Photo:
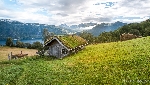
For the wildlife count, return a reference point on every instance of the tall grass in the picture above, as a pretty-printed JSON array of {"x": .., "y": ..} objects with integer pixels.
[
  {"x": 114, "y": 63},
  {"x": 4, "y": 51}
]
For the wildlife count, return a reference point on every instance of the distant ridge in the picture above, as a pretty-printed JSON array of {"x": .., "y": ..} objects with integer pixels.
[
  {"x": 105, "y": 27},
  {"x": 19, "y": 30}
]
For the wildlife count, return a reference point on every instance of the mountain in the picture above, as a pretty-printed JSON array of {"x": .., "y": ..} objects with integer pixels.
[
  {"x": 105, "y": 27},
  {"x": 19, "y": 30}
]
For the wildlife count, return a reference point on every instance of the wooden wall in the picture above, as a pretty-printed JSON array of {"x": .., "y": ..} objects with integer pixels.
[{"x": 56, "y": 49}]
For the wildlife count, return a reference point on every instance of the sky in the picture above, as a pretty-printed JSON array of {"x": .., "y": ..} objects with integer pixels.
[{"x": 71, "y": 12}]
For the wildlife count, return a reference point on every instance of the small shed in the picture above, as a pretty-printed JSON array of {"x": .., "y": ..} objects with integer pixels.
[
  {"x": 128, "y": 36},
  {"x": 61, "y": 46}
]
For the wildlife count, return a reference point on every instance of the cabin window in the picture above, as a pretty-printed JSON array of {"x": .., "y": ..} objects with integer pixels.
[{"x": 64, "y": 51}]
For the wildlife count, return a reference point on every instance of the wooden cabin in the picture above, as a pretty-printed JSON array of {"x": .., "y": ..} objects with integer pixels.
[{"x": 61, "y": 46}]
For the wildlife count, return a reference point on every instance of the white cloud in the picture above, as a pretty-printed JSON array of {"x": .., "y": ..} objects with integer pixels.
[{"x": 76, "y": 11}]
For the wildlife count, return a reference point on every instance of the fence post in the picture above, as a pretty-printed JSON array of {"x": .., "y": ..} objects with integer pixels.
[{"x": 9, "y": 57}]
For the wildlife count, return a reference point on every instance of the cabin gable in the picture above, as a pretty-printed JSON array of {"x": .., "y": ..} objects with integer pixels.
[{"x": 57, "y": 49}]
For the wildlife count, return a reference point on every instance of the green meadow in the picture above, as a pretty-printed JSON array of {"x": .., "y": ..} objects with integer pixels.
[{"x": 116, "y": 63}]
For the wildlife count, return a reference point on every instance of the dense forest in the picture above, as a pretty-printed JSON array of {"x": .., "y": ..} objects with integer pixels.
[{"x": 139, "y": 29}]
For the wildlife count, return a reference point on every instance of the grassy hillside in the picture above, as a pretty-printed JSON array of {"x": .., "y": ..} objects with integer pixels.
[
  {"x": 114, "y": 63},
  {"x": 4, "y": 51}
]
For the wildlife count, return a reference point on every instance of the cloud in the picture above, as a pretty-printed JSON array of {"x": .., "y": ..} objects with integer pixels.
[
  {"x": 107, "y": 4},
  {"x": 99, "y": 19},
  {"x": 40, "y": 3},
  {"x": 61, "y": 14},
  {"x": 75, "y": 11},
  {"x": 71, "y": 5}
]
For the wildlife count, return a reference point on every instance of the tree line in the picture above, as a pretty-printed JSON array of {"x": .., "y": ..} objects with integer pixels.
[
  {"x": 138, "y": 29},
  {"x": 19, "y": 44}
]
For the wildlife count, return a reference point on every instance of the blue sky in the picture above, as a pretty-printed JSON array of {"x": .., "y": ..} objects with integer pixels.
[{"x": 75, "y": 11}]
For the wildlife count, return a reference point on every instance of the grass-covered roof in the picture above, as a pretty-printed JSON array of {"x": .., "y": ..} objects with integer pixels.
[{"x": 70, "y": 41}]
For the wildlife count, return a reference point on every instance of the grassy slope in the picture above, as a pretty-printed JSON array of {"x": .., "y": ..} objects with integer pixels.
[
  {"x": 109, "y": 63},
  {"x": 4, "y": 51}
]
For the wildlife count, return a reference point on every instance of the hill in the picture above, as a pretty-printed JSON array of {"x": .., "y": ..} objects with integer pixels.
[{"x": 113, "y": 63}]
